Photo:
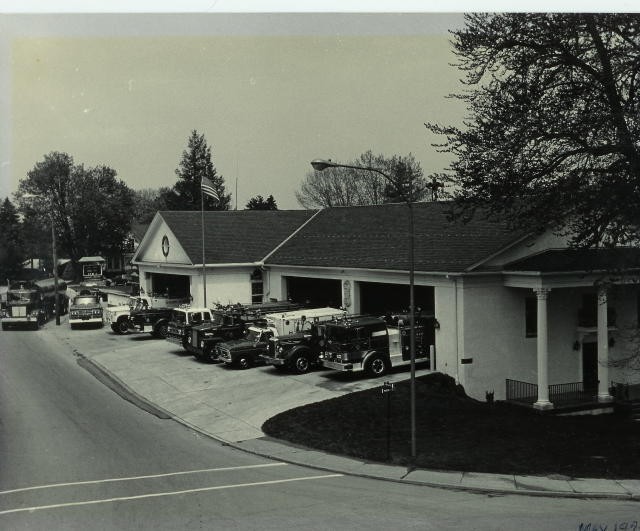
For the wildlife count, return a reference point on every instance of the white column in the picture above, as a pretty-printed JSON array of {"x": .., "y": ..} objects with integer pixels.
[
  {"x": 543, "y": 351},
  {"x": 603, "y": 347}
]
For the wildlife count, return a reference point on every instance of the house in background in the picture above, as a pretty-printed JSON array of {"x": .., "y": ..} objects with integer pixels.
[
  {"x": 518, "y": 315},
  {"x": 120, "y": 262}
]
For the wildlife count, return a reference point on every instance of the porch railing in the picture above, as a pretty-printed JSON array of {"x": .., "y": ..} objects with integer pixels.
[
  {"x": 570, "y": 392},
  {"x": 523, "y": 392},
  {"x": 527, "y": 393}
]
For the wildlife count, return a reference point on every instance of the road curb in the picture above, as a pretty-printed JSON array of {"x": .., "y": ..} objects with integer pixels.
[{"x": 102, "y": 374}]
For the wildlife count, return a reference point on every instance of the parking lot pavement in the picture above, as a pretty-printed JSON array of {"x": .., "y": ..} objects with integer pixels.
[{"x": 226, "y": 403}]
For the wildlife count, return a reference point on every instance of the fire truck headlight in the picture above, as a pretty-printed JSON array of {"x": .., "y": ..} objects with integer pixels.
[
  {"x": 280, "y": 349},
  {"x": 201, "y": 344}
]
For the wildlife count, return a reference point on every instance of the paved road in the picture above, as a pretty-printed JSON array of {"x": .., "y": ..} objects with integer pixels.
[{"x": 74, "y": 455}]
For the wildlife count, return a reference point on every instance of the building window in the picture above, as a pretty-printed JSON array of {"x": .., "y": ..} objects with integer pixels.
[
  {"x": 531, "y": 316},
  {"x": 256, "y": 287}
]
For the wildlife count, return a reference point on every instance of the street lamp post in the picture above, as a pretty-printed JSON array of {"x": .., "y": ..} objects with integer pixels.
[
  {"x": 55, "y": 257},
  {"x": 320, "y": 165}
]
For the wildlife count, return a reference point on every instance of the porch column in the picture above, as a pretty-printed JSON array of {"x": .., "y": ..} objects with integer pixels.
[
  {"x": 543, "y": 402},
  {"x": 603, "y": 347}
]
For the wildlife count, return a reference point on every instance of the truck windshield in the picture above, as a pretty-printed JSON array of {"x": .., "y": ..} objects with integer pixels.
[
  {"x": 141, "y": 304},
  {"x": 253, "y": 334},
  {"x": 22, "y": 296},
  {"x": 219, "y": 319},
  {"x": 84, "y": 300}
]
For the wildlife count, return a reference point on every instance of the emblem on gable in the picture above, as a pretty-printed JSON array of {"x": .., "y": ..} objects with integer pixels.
[{"x": 165, "y": 246}]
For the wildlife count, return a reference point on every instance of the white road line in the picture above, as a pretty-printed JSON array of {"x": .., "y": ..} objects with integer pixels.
[
  {"x": 134, "y": 478},
  {"x": 159, "y": 494}
]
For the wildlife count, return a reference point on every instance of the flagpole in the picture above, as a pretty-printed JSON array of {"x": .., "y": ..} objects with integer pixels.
[{"x": 204, "y": 269}]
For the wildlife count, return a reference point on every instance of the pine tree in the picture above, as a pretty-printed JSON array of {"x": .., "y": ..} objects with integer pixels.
[
  {"x": 195, "y": 164},
  {"x": 11, "y": 243}
]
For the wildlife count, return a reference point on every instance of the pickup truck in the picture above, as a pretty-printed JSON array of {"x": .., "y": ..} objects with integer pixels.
[
  {"x": 85, "y": 309},
  {"x": 245, "y": 352},
  {"x": 182, "y": 321}
]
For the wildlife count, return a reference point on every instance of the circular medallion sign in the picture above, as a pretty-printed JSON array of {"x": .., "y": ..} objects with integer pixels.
[{"x": 165, "y": 246}]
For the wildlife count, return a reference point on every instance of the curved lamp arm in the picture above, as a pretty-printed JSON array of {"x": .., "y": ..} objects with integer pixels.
[{"x": 321, "y": 165}]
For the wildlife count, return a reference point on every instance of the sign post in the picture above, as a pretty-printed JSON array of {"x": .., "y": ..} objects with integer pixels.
[{"x": 387, "y": 388}]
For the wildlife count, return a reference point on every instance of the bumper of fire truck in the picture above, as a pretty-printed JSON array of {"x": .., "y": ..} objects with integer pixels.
[
  {"x": 143, "y": 327},
  {"x": 273, "y": 361},
  {"x": 340, "y": 365}
]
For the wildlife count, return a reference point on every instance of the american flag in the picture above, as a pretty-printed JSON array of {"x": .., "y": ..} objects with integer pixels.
[{"x": 207, "y": 188}]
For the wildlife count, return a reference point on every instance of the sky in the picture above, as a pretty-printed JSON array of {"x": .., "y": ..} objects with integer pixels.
[{"x": 269, "y": 90}]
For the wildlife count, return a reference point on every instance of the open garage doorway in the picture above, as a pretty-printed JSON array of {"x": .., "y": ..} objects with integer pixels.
[
  {"x": 378, "y": 298},
  {"x": 315, "y": 291},
  {"x": 174, "y": 286}
]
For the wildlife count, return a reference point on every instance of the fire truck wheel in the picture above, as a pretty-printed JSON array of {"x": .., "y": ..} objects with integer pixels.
[
  {"x": 161, "y": 331},
  {"x": 301, "y": 364},
  {"x": 243, "y": 363},
  {"x": 377, "y": 365},
  {"x": 121, "y": 327}
]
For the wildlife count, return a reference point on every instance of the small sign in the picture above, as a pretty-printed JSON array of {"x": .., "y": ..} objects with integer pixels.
[
  {"x": 387, "y": 387},
  {"x": 466, "y": 361}
]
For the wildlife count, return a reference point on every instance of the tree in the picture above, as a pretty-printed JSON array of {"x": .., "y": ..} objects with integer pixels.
[
  {"x": 11, "y": 243},
  {"x": 552, "y": 136},
  {"x": 92, "y": 210},
  {"x": 148, "y": 201},
  {"x": 350, "y": 187},
  {"x": 260, "y": 203},
  {"x": 194, "y": 165}
]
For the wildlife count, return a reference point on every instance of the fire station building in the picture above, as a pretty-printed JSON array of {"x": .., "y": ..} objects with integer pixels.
[{"x": 519, "y": 315}]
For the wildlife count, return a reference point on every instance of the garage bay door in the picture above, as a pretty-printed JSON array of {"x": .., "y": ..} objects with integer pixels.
[
  {"x": 174, "y": 286},
  {"x": 315, "y": 291}
]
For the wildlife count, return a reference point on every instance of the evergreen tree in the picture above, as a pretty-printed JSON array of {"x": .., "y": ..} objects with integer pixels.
[
  {"x": 11, "y": 243},
  {"x": 195, "y": 164},
  {"x": 260, "y": 203}
]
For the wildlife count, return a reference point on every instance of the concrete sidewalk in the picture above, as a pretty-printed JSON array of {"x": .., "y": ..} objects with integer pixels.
[{"x": 223, "y": 404}]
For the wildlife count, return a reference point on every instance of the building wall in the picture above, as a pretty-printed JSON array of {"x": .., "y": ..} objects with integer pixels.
[
  {"x": 224, "y": 286},
  {"x": 493, "y": 329}
]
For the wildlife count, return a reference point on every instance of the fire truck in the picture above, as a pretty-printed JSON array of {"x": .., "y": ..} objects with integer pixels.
[
  {"x": 375, "y": 344},
  {"x": 32, "y": 303},
  {"x": 298, "y": 352},
  {"x": 229, "y": 322},
  {"x": 247, "y": 351}
]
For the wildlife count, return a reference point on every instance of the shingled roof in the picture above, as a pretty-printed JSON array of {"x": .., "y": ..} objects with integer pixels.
[
  {"x": 376, "y": 237},
  {"x": 580, "y": 260},
  {"x": 236, "y": 236}
]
